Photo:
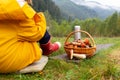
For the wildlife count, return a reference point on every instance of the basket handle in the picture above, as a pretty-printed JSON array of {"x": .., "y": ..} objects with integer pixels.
[{"x": 83, "y": 32}]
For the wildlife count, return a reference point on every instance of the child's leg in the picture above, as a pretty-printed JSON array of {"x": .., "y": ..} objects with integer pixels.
[
  {"x": 47, "y": 46},
  {"x": 45, "y": 38}
]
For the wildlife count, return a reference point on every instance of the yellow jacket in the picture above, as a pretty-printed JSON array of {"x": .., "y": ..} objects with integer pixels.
[{"x": 20, "y": 29}]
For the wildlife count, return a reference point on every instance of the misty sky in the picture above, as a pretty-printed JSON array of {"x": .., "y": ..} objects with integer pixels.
[{"x": 115, "y": 3}]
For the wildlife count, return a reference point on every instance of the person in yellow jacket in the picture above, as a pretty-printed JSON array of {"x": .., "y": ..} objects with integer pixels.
[{"x": 21, "y": 28}]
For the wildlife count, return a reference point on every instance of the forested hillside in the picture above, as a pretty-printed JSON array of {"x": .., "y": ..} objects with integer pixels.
[
  {"x": 109, "y": 27},
  {"x": 47, "y": 5}
]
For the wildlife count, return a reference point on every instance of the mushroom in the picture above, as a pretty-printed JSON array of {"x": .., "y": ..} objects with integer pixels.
[{"x": 79, "y": 56}]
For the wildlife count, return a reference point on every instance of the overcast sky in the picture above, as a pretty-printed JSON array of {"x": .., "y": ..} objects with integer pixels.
[{"x": 115, "y": 3}]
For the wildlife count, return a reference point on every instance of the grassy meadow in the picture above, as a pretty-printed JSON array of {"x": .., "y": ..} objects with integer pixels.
[{"x": 105, "y": 65}]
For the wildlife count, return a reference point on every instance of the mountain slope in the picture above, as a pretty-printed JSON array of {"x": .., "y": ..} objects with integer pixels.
[
  {"x": 70, "y": 9},
  {"x": 82, "y": 9},
  {"x": 102, "y": 10}
]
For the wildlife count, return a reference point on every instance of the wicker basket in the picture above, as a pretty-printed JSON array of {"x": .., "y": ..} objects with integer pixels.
[{"x": 78, "y": 50}]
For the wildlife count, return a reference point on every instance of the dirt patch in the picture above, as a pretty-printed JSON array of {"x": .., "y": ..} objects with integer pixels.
[{"x": 103, "y": 46}]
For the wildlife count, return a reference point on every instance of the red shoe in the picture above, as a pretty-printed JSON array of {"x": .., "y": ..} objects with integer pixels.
[{"x": 48, "y": 48}]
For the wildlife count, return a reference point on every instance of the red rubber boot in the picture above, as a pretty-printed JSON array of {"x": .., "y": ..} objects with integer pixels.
[{"x": 48, "y": 48}]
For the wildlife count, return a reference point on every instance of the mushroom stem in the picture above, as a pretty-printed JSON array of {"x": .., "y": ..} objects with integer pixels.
[
  {"x": 79, "y": 56},
  {"x": 71, "y": 53}
]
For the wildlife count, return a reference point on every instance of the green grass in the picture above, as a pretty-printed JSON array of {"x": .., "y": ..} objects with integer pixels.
[{"x": 99, "y": 67}]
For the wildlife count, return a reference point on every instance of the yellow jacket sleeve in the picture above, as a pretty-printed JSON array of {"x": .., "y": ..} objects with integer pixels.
[
  {"x": 32, "y": 29},
  {"x": 32, "y": 25}
]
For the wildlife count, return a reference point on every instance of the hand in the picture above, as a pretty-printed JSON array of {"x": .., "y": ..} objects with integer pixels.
[{"x": 29, "y": 2}]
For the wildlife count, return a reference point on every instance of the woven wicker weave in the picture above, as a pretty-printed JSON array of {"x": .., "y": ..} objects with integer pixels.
[{"x": 78, "y": 50}]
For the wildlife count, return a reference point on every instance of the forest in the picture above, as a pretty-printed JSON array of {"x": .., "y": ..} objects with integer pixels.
[{"x": 58, "y": 26}]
